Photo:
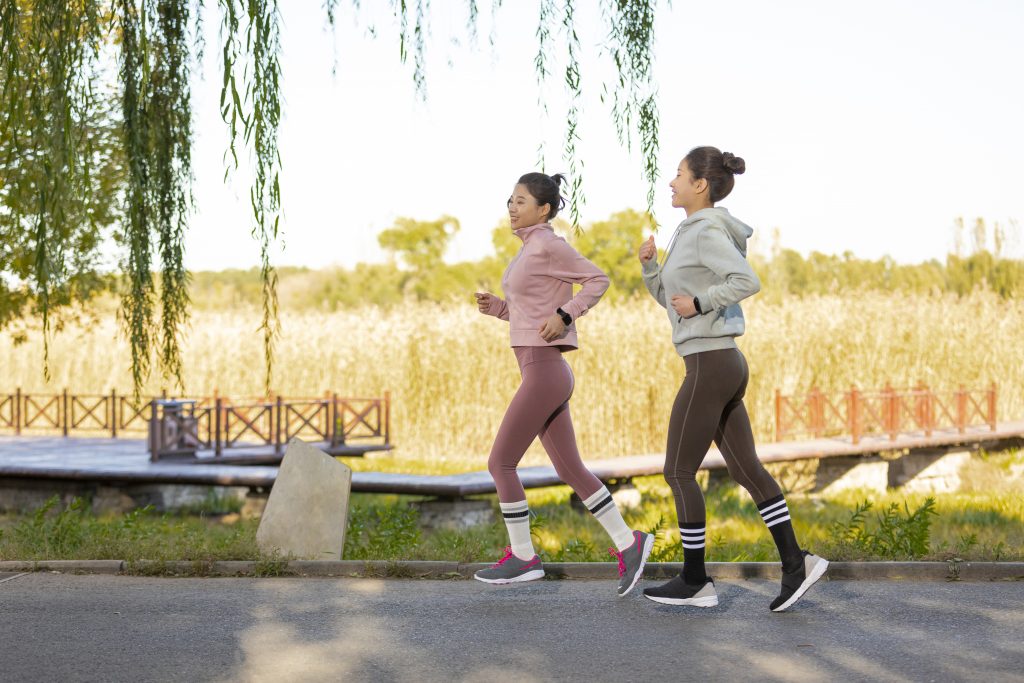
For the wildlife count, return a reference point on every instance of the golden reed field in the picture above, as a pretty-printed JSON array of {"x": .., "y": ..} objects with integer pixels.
[{"x": 451, "y": 373}]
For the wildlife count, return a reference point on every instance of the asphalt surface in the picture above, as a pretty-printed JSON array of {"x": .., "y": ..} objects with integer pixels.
[{"x": 58, "y": 627}]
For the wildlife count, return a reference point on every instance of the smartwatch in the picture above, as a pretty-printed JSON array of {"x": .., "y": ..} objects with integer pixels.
[
  {"x": 566, "y": 318},
  {"x": 696, "y": 304}
]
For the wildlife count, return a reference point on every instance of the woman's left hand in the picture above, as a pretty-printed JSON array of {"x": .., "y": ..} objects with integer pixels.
[
  {"x": 683, "y": 305},
  {"x": 553, "y": 328}
]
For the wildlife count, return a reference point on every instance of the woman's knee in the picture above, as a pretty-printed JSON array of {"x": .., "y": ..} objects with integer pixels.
[
  {"x": 679, "y": 476},
  {"x": 759, "y": 483},
  {"x": 499, "y": 467}
]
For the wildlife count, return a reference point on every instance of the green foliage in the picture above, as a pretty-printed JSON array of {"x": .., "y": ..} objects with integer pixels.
[
  {"x": 72, "y": 531},
  {"x": 381, "y": 532},
  {"x": 59, "y": 162},
  {"x": 259, "y": 111},
  {"x": 612, "y": 245},
  {"x": 896, "y": 534},
  {"x": 155, "y": 70}
]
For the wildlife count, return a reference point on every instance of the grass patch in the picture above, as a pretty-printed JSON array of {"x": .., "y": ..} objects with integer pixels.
[{"x": 977, "y": 524}]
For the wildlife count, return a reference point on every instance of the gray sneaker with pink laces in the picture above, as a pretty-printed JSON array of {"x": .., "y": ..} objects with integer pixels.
[
  {"x": 632, "y": 561},
  {"x": 511, "y": 569}
]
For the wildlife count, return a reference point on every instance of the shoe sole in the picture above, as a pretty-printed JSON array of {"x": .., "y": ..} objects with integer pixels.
[
  {"x": 706, "y": 601},
  {"x": 816, "y": 573},
  {"x": 648, "y": 547},
  {"x": 531, "y": 575}
]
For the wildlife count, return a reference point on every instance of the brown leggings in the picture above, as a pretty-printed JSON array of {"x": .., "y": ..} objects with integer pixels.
[
  {"x": 709, "y": 406},
  {"x": 539, "y": 408}
]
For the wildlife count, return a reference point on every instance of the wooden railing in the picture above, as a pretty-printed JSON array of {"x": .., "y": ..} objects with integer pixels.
[
  {"x": 220, "y": 422},
  {"x": 857, "y": 413}
]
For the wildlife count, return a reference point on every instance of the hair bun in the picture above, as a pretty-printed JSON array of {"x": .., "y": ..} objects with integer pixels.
[
  {"x": 558, "y": 178},
  {"x": 733, "y": 163}
]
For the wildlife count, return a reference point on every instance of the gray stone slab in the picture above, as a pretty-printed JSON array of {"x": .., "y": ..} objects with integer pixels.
[{"x": 307, "y": 510}]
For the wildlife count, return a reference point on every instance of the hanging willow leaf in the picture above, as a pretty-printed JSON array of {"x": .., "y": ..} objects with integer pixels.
[
  {"x": 631, "y": 39},
  {"x": 572, "y": 84},
  {"x": 48, "y": 61},
  {"x": 137, "y": 301},
  {"x": 260, "y": 117},
  {"x": 170, "y": 112}
]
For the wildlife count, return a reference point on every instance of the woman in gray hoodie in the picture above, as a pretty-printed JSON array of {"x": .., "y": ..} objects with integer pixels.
[{"x": 700, "y": 282}]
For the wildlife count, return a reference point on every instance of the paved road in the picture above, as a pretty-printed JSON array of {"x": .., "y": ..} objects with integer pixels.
[{"x": 112, "y": 628}]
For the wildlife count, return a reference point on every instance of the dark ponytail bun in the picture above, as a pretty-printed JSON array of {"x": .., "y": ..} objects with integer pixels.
[{"x": 733, "y": 163}]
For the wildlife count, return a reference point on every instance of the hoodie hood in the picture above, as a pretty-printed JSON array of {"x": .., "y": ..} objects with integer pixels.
[{"x": 737, "y": 230}]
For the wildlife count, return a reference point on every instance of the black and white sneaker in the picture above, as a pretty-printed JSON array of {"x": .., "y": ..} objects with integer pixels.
[
  {"x": 678, "y": 592},
  {"x": 795, "y": 584}
]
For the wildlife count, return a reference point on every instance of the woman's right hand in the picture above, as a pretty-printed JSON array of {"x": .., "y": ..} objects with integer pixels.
[
  {"x": 484, "y": 300},
  {"x": 648, "y": 250}
]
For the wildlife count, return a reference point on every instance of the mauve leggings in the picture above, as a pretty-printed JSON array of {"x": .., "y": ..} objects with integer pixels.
[
  {"x": 709, "y": 407},
  {"x": 539, "y": 408}
]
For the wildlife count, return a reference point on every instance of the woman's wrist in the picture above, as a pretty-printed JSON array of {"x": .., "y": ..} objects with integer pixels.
[{"x": 566, "y": 318}]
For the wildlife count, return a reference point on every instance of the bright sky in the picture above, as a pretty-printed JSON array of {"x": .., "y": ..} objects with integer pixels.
[{"x": 865, "y": 126}]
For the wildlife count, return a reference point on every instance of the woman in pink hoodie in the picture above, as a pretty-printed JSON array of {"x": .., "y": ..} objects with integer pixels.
[{"x": 542, "y": 312}]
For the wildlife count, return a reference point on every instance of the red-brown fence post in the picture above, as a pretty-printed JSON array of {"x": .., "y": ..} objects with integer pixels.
[
  {"x": 855, "y": 422},
  {"x": 892, "y": 411},
  {"x": 218, "y": 405},
  {"x": 387, "y": 417},
  {"x": 334, "y": 419},
  {"x": 817, "y": 413},
  {"x": 17, "y": 411},
  {"x": 67, "y": 416},
  {"x": 113, "y": 413},
  {"x": 778, "y": 415},
  {"x": 992, "y": 406},
  {"x": 152, "y": 431},
  {"x": 277, "y": 429},
  {"x": 961, "y": 409},
  {"x": 927, "y": 418}
]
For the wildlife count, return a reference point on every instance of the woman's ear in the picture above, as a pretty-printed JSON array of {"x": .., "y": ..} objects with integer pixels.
[
  {"x": 700, "y": 186},
  {"x": 545, "y": 210}
]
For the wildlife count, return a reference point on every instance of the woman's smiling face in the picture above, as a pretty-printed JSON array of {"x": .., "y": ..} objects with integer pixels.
[
  {"x": 684, "y": 188},
  {"x": 523, "y": 210}
]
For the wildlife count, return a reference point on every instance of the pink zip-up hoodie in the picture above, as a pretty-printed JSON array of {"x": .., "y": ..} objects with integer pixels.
[{"x": 539, "y": 280}]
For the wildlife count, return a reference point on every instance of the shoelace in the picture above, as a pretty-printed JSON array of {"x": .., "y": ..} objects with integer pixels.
[
  {"x": 622, "y": 565},
  {"x": 508, "y": 554}
]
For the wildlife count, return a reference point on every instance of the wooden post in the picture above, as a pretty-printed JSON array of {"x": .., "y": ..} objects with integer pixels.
[
  {"x": 113, "y": 413},
  {"x": 217, "y": 412},
  {"x": 855, "y": 425},
  {"x": 992, "y": 406},
  {"x": 17, "y": 411},
  {"x": 334, "y": 419},
  {"x": 961, "y": 410},
  {"x": 152, "y": 431},
  {"x": 892, "y": 411},
  {"x": 778, "y": 415},
  {"x": 927, "y": 419},
  {"x": 277, "y": 427},
  {"x": 387, "y": 417},
  {"x": 67, "y": 416},
  {"x": 817, "y": 412}
]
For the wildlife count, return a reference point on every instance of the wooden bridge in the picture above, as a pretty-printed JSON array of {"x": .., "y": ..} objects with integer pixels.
[
  {"x": 233, "y": 430},
  {"x": 931, "y": 426}
]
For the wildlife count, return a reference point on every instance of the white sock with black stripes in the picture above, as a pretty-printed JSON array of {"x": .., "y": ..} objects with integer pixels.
[
  {"x": 775, "y": 513},
  {"x": 603, "y": 507},
  {"x": 517, "y": 520}
]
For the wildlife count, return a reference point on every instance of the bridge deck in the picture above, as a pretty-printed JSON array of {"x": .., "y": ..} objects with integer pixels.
[{"x": 125, "y": 461}]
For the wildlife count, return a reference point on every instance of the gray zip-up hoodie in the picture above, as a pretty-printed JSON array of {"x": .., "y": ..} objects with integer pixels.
[{"x": 706, "y": 259}]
